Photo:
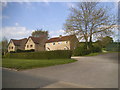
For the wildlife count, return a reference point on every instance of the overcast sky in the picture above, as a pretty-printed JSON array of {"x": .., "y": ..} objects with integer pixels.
[{"x": 19, "y": 19}]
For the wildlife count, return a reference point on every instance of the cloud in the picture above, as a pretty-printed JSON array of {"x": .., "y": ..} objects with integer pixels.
[
  {"x": 16, "y": 24},
  {"x": 56, "y": 33},
  {"x": 46, "y": 2},
  {"x": 16, "y": 32},
  {"x": 4, "y": 4},
  {"x": 70, "y": 4},
  {"x": 3, "y": 17}
]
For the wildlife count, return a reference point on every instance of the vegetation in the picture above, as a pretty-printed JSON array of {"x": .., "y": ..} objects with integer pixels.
[
  {"x": 58, "y": 54},
  {"x": 88, "y": 20},
  {"x": 115, "y": 46},
  {"x": 4, "y": 45},
  {"x": 19, "y": 50},
  {"x": 21, "y": 64},
  {"x": 104, "y": 41},
  {"x": 81, "y": 50},
  {"x": 100, "y": 53},
  {"x": 40, "y": 32}
]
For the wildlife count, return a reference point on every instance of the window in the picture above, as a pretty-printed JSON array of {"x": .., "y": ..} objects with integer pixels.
[
  {"x": 59, "y": 42},
  {"x": 27, "y": 46},
  {"x": 66, "y": 41},
  {"x": 31, "y": 45},
  {"x": 66, "y": 48},
  {"x": 12, "y": 47},
  {"x": 53, "y": 43},
  {"x": 48, "y": 48}
]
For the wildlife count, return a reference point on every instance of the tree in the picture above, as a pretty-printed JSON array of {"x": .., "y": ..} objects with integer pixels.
[
  {"x": 105, "y": 41},
  {"x": 4, "y": 45},
  {"x": 88, "y": 20},
  {"x": 40, "y": 32}
]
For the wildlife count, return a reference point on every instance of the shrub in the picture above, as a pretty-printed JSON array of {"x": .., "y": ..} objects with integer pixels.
[
  {"x": 113, "y": 47},
  {"x": 95, "y": 48},
  {"x": 81, "y": 51},
  {"x": 19, "y": 50},
  {"x": 12, "y": 51},
  {"x": 58, "y": 54}
]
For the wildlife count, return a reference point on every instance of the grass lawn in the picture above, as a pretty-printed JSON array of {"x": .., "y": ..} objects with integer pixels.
[{"x": 21, "y": 64}]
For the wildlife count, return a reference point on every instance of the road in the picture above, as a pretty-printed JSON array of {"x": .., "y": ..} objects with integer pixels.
[{"x": 88, "y": 72}]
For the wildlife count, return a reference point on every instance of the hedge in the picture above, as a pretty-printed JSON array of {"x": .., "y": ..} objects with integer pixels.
[
  {"x": 58, "y": 54},
  {"x": 19, "y": 50},
  {"x": 95, "y": 48},
  {"x": 115, "y": 46},
  {"x": 81, "y": 50}
]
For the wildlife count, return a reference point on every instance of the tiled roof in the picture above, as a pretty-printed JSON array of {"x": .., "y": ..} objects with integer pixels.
[
  {"x": 62, "y": 38},
  {"x": 19, "y": 42},
  {"x": 37, "y": 40}
]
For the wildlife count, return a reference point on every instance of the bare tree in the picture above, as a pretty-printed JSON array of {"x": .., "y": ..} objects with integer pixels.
[{"x": 88, "y": 20}]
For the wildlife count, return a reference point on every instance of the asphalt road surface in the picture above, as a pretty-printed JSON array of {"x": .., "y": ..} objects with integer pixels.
[{"x": 88, "y": 72}]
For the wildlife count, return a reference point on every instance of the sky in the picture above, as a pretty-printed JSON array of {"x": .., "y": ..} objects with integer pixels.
[{"x": 20, "y": 19}]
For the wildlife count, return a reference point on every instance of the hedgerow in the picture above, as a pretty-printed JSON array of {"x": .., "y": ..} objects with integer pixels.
[{"x": 57, "y": 54}]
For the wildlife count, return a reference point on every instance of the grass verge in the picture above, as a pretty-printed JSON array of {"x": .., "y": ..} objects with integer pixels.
[
  {"x": 99, "y": 53},
  {"x": 21, "y": 64}
]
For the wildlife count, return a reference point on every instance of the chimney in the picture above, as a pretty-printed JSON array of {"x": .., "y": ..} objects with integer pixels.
[{"x": 60, "y": 36}]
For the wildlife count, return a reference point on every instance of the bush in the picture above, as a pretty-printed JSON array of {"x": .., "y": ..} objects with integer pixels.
[
  {"x": 95, "y": 48},
  {"x": 113, "y": 47},
  {"x": 81, "y": 51},
  {"x": 12, "y": 51},
  {"x": 19, "y": 50},
  {"x": 58, "y": 54}
]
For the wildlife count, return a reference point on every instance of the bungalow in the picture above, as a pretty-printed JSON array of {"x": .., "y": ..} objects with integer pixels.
[
  {"x": 36, "y": 43},
  {"x": 62, "y": 43},
  {"x": 16, "y": 44}
]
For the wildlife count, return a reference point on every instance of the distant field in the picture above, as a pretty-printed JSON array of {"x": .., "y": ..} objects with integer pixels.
[{"x": 21, "y": 64}]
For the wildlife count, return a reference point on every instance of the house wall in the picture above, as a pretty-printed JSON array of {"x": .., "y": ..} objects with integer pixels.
[
  {"x": 30, "y": 44},
  {"x": 73, "y": 43},
  {"x": 39, "y": 47},
  {"x": 11, "y": 47},
  {"x": 62, "y": 45},
  {"x": 22, "y": 46}
]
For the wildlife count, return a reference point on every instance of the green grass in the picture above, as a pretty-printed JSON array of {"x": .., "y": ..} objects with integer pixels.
[
  {"x": 99, "y": 53},
  {"x": 93, "y": 54},
  {"x": 21, "y": 64}
]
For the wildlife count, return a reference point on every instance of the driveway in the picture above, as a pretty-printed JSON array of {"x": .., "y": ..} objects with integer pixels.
[{"x": 88, "y": 72}]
